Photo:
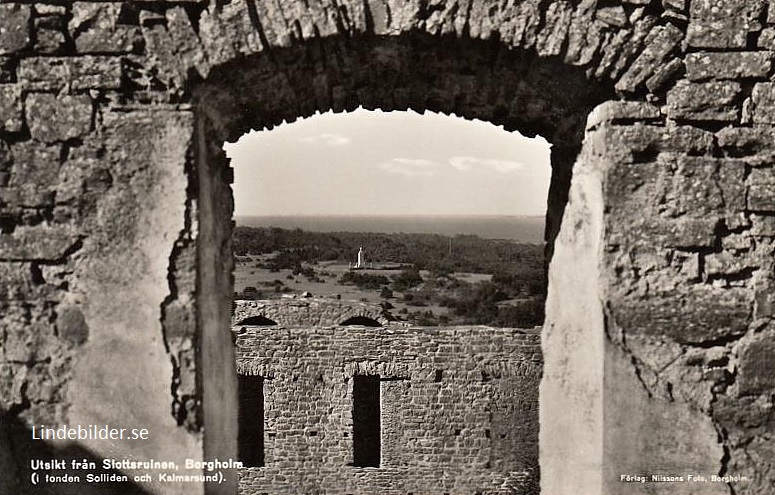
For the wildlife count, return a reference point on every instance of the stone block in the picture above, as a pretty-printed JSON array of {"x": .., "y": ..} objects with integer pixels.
[
  {"x": 51, "y": 118},
  {"x": 665, "y": 74},
  {"x": 715, "y": 100},
  {"x": 688, "y": 186},
  {"x": 11, "y": 113},
  {"x": 766, "y": 39},
  {"x": 14, "y": 27},
  {"x": 233, "y": 22},
  {"x": 50, "y": 33},
  {"x": 761, "y": 197},
  {"x": 613, "y": 16},
  {"x": 761, "y": 190},
  {"x": 71, "y": 325},
  {"x": 618, "y": 111},
  {"x": 95, "y": 28},
  {"x": 763, "y": 176},
  {"x": 15, "y": 281},
  {"x": 40, "y": 243},
  {"x": 763, "y": 103},
  {"x": 12, "y": 382},
  {"x": 86, "y": 72},
  {"x": 677, "y": 198},
  {"x": 35, "y": 164},
  {"x": 764, "y": 299},
  {"x": 640, "y": 142},
  {"x": 175, "y": 49},
  {"x": 731, "y": 181},
  {"x": 658, "y": 44},
  {"x": 722, "y": 23},
  {"x": 584, "y": 37},
  {"x": 762, "y": 225},
  {"x": 727, "y": 264},
  {"x": 758, "y": 139},
  {"x": 28, "y": 337},
  {"x": 676, "y": 5},
  {"x": 26, "y": 196},
  {"x": 756, "y": 368},
  {"x": 683, "y": 233},
  {"x": 737, "y": 242},
  {"x": 550, "y": 40},
  {"x": 732, "y": 65},
  {"x": 694, "y": 315}
]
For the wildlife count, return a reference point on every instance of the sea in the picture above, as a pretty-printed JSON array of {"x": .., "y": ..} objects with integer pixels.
[{"x": 525, "y": 229}]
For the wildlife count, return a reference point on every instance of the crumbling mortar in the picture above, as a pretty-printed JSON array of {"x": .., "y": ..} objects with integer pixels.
[
  {"x": 752, "y": 37},
  {"x": 178, "y": 407},
  {"x": 255, "y": 21},
  {"x": 194, "y": 14},
  {"x": 621, "y": 343},
  {"x": 184, "y": 408},
  {"x": 467, "y": 19}
]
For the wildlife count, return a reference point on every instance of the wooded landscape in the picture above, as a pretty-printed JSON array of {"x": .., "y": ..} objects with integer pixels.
[{"x": 422, "y": 277}]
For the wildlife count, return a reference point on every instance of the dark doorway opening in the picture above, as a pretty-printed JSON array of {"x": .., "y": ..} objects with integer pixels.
[
  {"x": 366, "y": 421},
  {"x": 251, "y": 420}
]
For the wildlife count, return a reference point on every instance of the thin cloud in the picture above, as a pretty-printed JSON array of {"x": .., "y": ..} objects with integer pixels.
[
  {"x": 410, "y": 167},
  {"x": 466, "y": 163},
  {"x": 327, "y": 139}
]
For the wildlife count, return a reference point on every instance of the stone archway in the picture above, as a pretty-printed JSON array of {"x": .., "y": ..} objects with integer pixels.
[{"x": 114, "y": 196}]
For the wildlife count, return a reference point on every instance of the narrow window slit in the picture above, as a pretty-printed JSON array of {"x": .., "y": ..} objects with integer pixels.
[
  {"x": 250, "y": 420},
  {"x": 366, "y": 421}
]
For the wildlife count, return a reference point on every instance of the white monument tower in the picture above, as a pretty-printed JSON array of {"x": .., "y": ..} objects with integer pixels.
[{"x": 361, "y": 259}]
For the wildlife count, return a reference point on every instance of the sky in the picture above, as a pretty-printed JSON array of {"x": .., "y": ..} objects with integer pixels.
[{"x": 389, "y": 163}]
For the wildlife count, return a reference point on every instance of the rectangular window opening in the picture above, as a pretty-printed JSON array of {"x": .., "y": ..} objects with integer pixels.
[
  {"x": 251, "y": 420},
  {"x": 366, "y": 421}
]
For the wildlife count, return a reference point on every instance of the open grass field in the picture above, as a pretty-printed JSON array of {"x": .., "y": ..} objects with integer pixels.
[{"x": 247, "y": 273}]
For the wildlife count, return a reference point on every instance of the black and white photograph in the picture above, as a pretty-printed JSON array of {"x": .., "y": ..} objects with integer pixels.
[{"x": 387, "y": 247}]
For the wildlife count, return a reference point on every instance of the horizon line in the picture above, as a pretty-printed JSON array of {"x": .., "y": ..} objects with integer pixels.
[{"x": 292, "y": 215}]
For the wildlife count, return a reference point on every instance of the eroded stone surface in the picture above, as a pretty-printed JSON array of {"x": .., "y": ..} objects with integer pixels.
[
  {"x": 722, "y": 23},
  {"x": 713, "y": 101},
  {"x": 11, "y": 108},
  {"x": 716, "y": 65},
  {"x": 14, "y": 27},
  {"x": 53, "y": 118}
]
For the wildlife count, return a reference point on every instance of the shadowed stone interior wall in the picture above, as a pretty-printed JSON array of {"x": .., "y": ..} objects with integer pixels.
[
  {"x": 459, "y": 409},
  {"x": 115, "y": 205}
]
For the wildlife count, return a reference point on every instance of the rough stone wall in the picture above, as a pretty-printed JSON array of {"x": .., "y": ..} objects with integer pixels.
[
  {"x": 306, "y": 312},
  {"x": 459, "y": 409},
  {"x": 97, "y": 249},
  {"x": 113, "y": 184},
  {"x": 671, "y": 208}
]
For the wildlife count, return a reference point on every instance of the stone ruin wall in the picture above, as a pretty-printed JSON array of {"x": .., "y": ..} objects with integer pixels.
[
  {"x": 307, "y": 311},
  {"x": 459, "y": 409},
  {"x": 114, "y": 194}
]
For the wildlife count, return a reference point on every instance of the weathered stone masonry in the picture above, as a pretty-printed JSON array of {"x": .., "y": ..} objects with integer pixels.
[
  {"x": 114, "y": 208},
  {"x": 314, "y": 312},
  {"x": 459, "y": 408}
]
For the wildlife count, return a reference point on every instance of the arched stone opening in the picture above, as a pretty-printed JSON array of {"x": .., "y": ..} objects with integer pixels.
[
  {"x": 258, "y": 321},
  {"x": 363, "y": 321},
  {"x": 474, "y": 79}
]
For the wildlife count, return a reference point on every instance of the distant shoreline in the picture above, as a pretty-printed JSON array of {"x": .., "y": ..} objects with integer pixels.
[{"x": 521, "y": 228}]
